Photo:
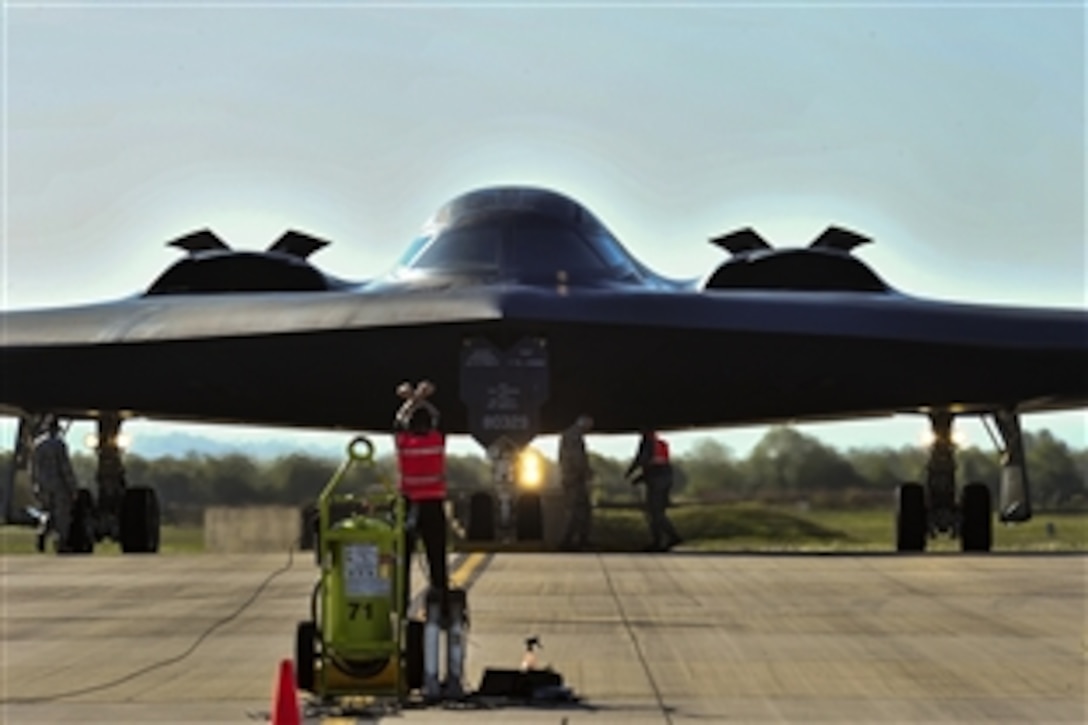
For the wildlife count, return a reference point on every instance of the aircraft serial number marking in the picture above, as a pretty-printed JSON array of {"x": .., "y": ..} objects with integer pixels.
[{"x": 506, "y": 422}]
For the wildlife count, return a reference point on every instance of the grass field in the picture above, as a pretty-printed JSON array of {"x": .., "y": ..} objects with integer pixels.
[
  {"x": 755, "y": 527},
  {"x": 722, "y": 527},
  {"x": 174, "y": 540}
]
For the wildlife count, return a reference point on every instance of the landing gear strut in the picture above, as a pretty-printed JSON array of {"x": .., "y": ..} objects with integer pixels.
[
  {"x": 30, "y": 426},
  {"x": 127, "y": 514},
  {"x": 110, "y": 477},
  {"x": 504, "y": 456},
  {"x": 511, "y": 514}
]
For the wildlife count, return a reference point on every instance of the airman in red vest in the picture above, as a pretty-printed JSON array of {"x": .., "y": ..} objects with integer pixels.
[
  {"x": 421, "y": 463},
  {"x": 655, "y": 470}
]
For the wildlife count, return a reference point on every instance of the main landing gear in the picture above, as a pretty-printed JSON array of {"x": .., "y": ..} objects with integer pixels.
[
  {"x": 936, "y": 507},
  {"x": 126, "y": 514}
]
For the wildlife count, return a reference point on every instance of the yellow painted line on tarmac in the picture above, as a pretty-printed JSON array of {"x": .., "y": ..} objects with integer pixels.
[{"x": 468, "y": 567}]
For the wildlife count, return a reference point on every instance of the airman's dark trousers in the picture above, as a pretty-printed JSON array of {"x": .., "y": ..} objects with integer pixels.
[
  {"x": 59, "y": 506},
  {"x": 579, "y": 515},
  {"x": 430, "y": 526},
  {"x": 662, "y": 532}
]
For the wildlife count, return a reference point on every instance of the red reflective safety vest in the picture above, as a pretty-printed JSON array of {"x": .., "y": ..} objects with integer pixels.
[
  {"x": 421, "y": 458},
  {"x": 661, "y": 452}
]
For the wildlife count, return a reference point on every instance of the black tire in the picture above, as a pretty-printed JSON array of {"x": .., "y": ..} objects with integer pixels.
[
  {"x": 305, "y": 655},
  {"x": 530, "y": 518},
  {"x": 976, "y": 532},
  {"x": 80, "y": 535},
  {"x": 481, "y": 517},
  {"x": 910, "y": 518},
  {"x": 140, "y": 521}
]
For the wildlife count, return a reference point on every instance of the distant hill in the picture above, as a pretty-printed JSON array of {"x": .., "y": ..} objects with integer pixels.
[
  {"x": 179, "y": 444},
  {"x": 265, "y": 445}
]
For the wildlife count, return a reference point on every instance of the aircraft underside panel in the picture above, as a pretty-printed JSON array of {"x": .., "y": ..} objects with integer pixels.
[
  {"x": 666, "y": 377},
  {"x": 503, "y": 389}
]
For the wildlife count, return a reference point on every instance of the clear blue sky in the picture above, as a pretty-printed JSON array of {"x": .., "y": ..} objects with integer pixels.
[{"x": 954, "y": 133}]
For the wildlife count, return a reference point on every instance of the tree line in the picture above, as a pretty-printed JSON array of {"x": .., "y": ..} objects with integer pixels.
[{"x": 784, "y": 466}]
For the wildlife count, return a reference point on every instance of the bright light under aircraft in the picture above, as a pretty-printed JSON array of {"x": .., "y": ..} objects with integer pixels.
[
  {"x": 123, "y": 440},
  {"x": 530, "y": 473},
  {"x": 927, "y": 438}
]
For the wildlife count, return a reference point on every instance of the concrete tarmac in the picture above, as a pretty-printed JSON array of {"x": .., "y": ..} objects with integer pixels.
[{"x": 678, "y": 638}]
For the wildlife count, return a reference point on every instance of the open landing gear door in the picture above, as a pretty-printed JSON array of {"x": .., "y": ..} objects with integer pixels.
[
  {"x": 1015, "y": 499},
  {"x": 30, "y": 427}
]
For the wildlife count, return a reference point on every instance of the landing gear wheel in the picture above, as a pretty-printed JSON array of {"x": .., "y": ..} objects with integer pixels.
[
  {"x": 976, "y": 532},
  {"x": 481, "y": 517},
  {"x": 910, "y": 518},
  {"x": 529, "y": 518},
  {"x": 140, "y": 521},
  {"x": 80, "y": 538},
  {"x": 305, "y": 646}
]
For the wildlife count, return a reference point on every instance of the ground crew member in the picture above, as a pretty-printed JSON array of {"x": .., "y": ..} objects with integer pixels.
[
  {"x": 655, "y": 470},
  {"x": 574, "y": 475},
  {"x": 421, "y": 461},
  {"x": 54, "y": 484}
]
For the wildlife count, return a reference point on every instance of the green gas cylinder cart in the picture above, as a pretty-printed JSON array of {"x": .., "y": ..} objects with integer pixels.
[{"x": 353, "y": 643}]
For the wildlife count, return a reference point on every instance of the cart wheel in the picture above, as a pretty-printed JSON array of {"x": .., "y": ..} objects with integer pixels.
[{"x": 305, "y": 644}]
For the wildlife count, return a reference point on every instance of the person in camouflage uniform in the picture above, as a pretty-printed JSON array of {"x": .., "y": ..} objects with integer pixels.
[{"x": 54, "y": 483}]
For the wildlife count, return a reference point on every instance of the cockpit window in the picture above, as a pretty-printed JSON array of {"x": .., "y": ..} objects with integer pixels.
[
  {"x": 614, "y": 255},
  {"x": 523, "y": 234},
  {"x": 545, "y": 249},
  {"x": 463, "y": 249},
  {"x": 413, "y": 249}
]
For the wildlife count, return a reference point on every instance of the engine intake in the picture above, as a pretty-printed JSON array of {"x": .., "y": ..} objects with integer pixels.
[
  {"x": 213, "y": 267},
  {"x": 825, "y": 265}
]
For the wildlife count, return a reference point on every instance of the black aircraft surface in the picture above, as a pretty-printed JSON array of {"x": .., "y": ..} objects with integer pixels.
[{"x": 526, "y": 312}]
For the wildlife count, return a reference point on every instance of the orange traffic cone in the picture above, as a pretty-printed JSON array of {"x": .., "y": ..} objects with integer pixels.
[{"x": 285, "y": 709}]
